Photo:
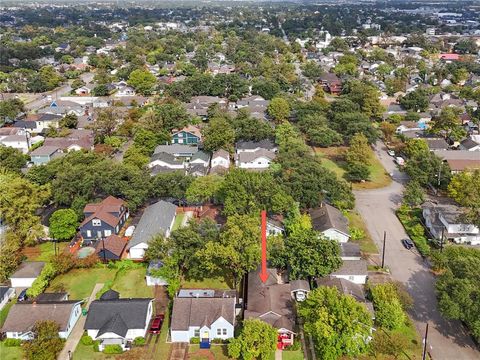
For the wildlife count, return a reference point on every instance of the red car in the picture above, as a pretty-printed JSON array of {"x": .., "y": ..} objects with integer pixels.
[{"x": 156, "y": 325}]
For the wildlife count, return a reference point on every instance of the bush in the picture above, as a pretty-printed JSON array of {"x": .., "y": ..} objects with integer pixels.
[
  {"x": 86, "y": 340},
  {"x": 96, "y": 346},
  {"x": 12, "y": 342},
  {"x": 218, "y": 341},
  {"x": 357, "y": 172},
  {"x": 294, "y": 347},
  {"x": 195, "y": 340},
  {"x": 388, "y": 308},
  {"x": 411, "y": 222},
  {"x": 139, "y": 341},
  {"x": 112, "y": 349},
  {"x": 357, "y": 234},
  {"x": 88, "y": 262}
]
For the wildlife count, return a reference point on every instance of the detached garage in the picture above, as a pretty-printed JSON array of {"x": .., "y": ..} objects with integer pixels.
[{"x": 26, "y": 274}]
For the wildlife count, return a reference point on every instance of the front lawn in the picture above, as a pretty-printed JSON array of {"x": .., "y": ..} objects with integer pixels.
[
  {"x": 10, "y": 353},
  {"x": 218, "y": 351},
  {"x": 5, "y": 310},
  {"x": 366, "y": 243},
  {"x": 79, "y": 283},
  {"x": 44, "y": 251},
  {"x": 332, "y": 159},
  {"x": 85, "y": 352},
  {"x": 292, "y": 355}
]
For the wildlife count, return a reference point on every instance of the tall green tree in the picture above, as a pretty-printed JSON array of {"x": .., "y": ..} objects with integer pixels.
[
  {"x": 339, "y": 325},
  {"x": 279, "y": 109},
  {"x": 46, "y": 343},
  {"x": 11, "y": 159},
  {"x": 63, "y": 224},
  {"x": 257, "y": 340},
  {"x": 218, "y": 134},
  {"x": 142, "y": 81},
  {"x": 388, "y": 308}
]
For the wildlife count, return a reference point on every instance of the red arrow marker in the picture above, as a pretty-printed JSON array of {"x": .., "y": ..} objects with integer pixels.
[{"x": 263, "y": 273}]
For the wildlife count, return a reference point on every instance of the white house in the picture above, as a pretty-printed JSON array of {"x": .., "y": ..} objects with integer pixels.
[
  {"x": 23, "y": 316},
  {"x": 115, "y": 321},
  {"x": 445, "y": 220},
  {"x": 157, "y": 219},
  {"x": 330, "y": 222},
  {"x": 165, "y": 160},
  {"x": 275, "y": 226},
  {"x": 6, "y": 293},
  {"x": 220, "y": 161},
  {"x": 125, "y": 90},
  {"x": 353, "y": 270},
  {"x": 259, "y": 160},
  {"x": 204, "y": 314},
  {"x": 26, "y": 274},
  {"x": 471, "y": 144}
]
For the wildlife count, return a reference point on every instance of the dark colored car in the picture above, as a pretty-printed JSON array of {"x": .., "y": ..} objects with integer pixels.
[
  {"x": 408, "y": 244},
  {"x": 156, "y": 325},
  {"x": 23, "y": 296}
]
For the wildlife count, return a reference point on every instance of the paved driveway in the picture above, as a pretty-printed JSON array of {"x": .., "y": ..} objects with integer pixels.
[{"x": 447, "y": 340}]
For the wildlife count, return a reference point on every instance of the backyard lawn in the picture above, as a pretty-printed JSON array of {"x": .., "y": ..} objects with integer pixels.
[
  {"x": 130, "y": 283},
  {"x": 218, "y": 282},
  {"x": 366, "y": 244},
  {"x": 43, "y": 251},
  {"x": 178, "y": 221},
  {"x": 79, "y": 283},
  {"x": 332, "y": 159},
  {"x": 10, "y": 353}
]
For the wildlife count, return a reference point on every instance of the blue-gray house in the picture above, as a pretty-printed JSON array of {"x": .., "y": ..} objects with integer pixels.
[
  {"x": 103, "y": 219},
  {"x": 189, "y": 135}
]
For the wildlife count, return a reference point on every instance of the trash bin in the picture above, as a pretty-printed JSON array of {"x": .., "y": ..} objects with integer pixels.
[{"x": 84, "y": 312}]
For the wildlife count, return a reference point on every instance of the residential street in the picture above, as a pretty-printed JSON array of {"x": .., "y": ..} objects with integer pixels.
[{"x": 447, "y": 340}]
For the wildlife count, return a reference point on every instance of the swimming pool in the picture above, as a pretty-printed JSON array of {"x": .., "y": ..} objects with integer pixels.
[{"x": 85, "y": 251}]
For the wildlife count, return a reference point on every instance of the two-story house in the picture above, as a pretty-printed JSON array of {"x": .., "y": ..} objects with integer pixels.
[
  {"x": 103, "y": 219},
  {"x": 255, "y": 155},
  {"x": 189, "y": 135},
  {"x": 203, "y": 313}
]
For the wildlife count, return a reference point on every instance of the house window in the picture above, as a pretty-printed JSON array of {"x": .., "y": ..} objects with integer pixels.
[
  {"x": 196, "y": 333},
  {"x": 96, "y": 222},
  {"x": 108, "y": 232},
  {"x": 219, "y": 331},
  {"x": 351, "y": 278},
  {"x": 89, "y": 233},
  {"x": 224, "y": 331}
]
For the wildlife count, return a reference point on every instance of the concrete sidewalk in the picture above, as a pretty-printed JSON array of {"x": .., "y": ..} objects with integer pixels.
[{"x": 77, "y": 331}]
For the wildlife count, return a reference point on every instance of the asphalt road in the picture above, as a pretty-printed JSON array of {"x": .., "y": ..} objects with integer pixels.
[
  {"x": 42, "y": 99},
  {"x": 447, "y": 340}
]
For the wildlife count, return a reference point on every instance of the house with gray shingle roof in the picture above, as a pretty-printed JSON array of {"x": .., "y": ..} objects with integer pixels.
[
  {"x": 157, "y": 219},
  {"x": 115, "y": 321},
  {"x": 330, "y": 222},
  {"x": 202, "y": 315}
]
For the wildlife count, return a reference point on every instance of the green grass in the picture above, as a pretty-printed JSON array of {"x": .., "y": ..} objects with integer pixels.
[
  {"x": 85, "y": 352},
  {"x": 10, "y": 353},
  {"x": 178, "y": 221},
  {"x": 332, "y": 159},
  {"x": 366, "y": 243},
  {"x": 163, "y": 348},
  {"x": 292, "y": 355},
  {"x": 219, "y": 351},
  {"x": 131, "y": 283},
  {"x": 210, "y": 283},
  {"x": 79, "y": 283},
  {"x": 5, "y": 310},
  {"x": 43, "y": 251}
]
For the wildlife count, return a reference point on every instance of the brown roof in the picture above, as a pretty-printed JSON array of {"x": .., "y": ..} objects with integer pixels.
[
  {"x": 113, "y": 243},
  {"x": 17, "y": 321},
  {"x": 82, "y": 138},
  {"x": 461, "y": 165},
  {"x": 192, "y": 311},
  {"x": 104, "y": 211},
  {"x": 191, "y": 129},
  {"x": 344, "y": 287},
  {"x": 270, "y": 301},
  {"x": 28, "y": 269},
  {"x": 327, "y": 217}
]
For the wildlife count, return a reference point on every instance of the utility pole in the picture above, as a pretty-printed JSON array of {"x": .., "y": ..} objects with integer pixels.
[
  {"x": 383, "y": 251},
  {"x": 439, "y": 174},
  {"x": 424, "y": 356},
  {"x": 104, "y": 255}
]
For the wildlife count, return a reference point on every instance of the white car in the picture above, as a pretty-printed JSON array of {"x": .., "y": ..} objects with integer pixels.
[{"x": 391, "y": 152}]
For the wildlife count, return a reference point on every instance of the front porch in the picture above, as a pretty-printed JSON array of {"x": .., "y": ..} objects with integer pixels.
[
  {"x": 284, "y": 339},
  {"x": 125, "y": 344}
]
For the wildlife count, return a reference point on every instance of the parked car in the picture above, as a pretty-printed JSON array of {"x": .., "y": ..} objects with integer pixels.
[
  {"x": 407, "y": 243},
  {"x": 400, "y": 161},
  {"x": 156, "y": 325},
  {"x": 391, "y": 152},
  {"x": 23, "y": 295}
]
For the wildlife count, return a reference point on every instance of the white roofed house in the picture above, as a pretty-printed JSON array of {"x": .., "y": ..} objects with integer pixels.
[
  {"x": 157, "y": 219},
  {"x": 16, "y": 138}
]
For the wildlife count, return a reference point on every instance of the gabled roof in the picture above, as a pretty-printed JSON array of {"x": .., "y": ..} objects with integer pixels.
[
  {"x": 201, "y": 155},
  {"x": 166, "y": 158},
  {"x": 221, "y": 153},
  {"x": 113, "y": 243},
  {"x": 103, "y": 314},
  {"x": 176, "y": 149},
  {"x": 44, "y": 151},
  {"x": 114, "y": 325},
  {"x": 156, "y": 219},
  {"x": 110, "y": 295},
  {"x": 469, "y": 143},
  {"x": 270, "y": 302},
  {"x": 192, "y": 311},
  {"x": 352, "y": 267},
  {"x": 350, "y": 249},
  {"x": 252, "y": 145},
  {"x": 106, "y": 211},
  {"x": 17, "y": 321},
  {"x": 192, "y": 129},
  {"x": 344, "y": 287},
  {"x": 245, "y": 157},
  {"x": 296, "y": 285},
  {"x": 327, "y": 217}
]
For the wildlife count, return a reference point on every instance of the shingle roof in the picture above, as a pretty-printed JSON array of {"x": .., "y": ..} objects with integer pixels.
[
  {"x": 350, "y": 249},
  {"x": 17, "y": 321},
  {"x": 104, "y": 211},
  {"x": 344, "y": 287},
  {"x": 44, "y": 150},
  {"x": 327, "y": 217},
  {"x": 270, "y": 302},
  {"x": 3, "y": 291},
  {"x": 201, "y": 311},
  {"x": 115, "y": 325},
  {"x": 28, "y": 269},
  {"x": 110, "y": 295},
  {"x": 201, "y": 155},
  {"x": 299, "y": 285},
  {"x": 156, "y": 219},
  {"x": 166, "y": 158},
  {"x": 352, "y": 267},
  {"x": 113, "y": 243},
  {"x": 176, "y": 149},
  {"x": 251, "y": 145},
  {"x": 245, "y": 157},
  {"x": 468, "y": 143},
  {"x": 133, "y": 313},
  {"x": 221, "y": 153}
]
